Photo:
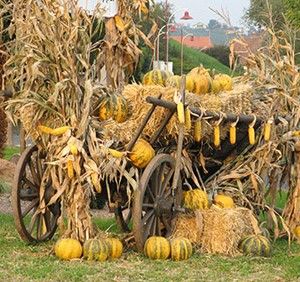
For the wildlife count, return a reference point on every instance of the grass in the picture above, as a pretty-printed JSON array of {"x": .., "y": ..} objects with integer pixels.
[
  {"x": 193, "y": 58},
  {"x": 10, "y": 151},
  {"x": 22, "y": 262}
]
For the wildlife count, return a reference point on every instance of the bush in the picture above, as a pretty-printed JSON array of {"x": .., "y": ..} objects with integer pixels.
[{"x": 221, "y": 53}]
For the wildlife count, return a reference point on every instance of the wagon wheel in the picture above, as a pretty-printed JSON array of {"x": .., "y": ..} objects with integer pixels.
[
  {"x": 32, "y": 225},
  {"x": 153, "y": 206}
]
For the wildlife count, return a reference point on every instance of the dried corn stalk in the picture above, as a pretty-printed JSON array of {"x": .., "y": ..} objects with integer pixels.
[{"x": 50, "y": 68}]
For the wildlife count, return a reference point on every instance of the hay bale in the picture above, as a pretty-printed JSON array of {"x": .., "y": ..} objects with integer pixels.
[
  {"x": 189, "y": 226},
  {"x": 218, "y": 231}
]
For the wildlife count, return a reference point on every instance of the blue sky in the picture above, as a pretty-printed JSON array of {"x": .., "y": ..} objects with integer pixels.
[{"x": 199, "y": 9}]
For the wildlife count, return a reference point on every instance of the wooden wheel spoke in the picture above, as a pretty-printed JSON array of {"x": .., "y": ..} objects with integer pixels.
[
  {"x": 147, "y": 205},
  {"x": 39, "y": 166},
  {"x": 160, "y": 178},
  {"x": 34, "y": 175},
  {"x": 158, "y": 229},
  {"x": 167, "y": 180},
  {"x": 154, "y": 226},
  {"x": 150, "y": 192},
  {"x": 32, "y": 205},
  {"x": 148, "y": 227},
  {"x": 29, "y": 183},
  {"x": 32, "y": 223},
  {"x": 147, "y": 216}
]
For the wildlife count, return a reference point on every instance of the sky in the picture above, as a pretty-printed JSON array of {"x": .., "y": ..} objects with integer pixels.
[{"x": 199, "y": 9}]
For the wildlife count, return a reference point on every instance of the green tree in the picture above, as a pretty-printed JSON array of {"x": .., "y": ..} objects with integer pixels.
[
  {"x": 293, "y": 12},
  {"x": 258, "y": 13}
]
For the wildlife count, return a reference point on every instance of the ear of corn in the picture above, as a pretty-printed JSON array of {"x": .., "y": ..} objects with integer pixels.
[
  {"x": 217, "y": 140},
  {"x": 60, "y": 130},
  {"x": 267, "y": 132},
  {"x": 188, "y": 123},
  {"x": 45, "y": 129},
  {"x": 119, "y": 23},
  {"x": 115, "y": 153},
  {"x": 251, "y": 135},
  {"x": 232, "y": 135},
  {"x": 73, "y": 149},
  {"x": 180, "y": 112},
  {"x": 95, "y": 182},
  {"x": 70, "y": 169},
  {"x": 197, "y": 131},
  {"x": 56, "y": 131}
]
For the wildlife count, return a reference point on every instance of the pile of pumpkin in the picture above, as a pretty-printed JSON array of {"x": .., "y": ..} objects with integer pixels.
[
  {"x": 91, "y": 250},
  {"x": 198, "y": 81},
  {"x": 156, "y": 247},
  {"x": 255, "y": 244}
]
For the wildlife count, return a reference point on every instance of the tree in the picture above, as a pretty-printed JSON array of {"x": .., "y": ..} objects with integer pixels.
[
  {"x": 258, "y": 13},
  {"x": 214, "y": 24},
  {"x": 293, "y": 11}
]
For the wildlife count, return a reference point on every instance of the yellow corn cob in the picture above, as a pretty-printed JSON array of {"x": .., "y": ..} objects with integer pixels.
[
  {"x": 267, "y": 133},
  {"x": 217, "y": 140},
  {"x": 56, "y": 131},
  {"x": 251, "y": 135},
  {"x": 95, "y": 181},
  {"x": 197, "y": 131},
  {"x": 73, "y": 149},
  {"x": 70, "y": 169},
  {"x": 188, "y": 123},
  {"x": 45, "y": 129},
  {"x": 144, "y": 9},
  {"x": 60, "y": 130},
  {"x": 115, "y": 153},
  {"x": 119, "y": 23},
  {"x": 180, "y": 112},
  {"x": 232, "y": 134}
]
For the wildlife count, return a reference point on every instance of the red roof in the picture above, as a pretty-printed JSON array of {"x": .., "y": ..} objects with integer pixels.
[{"x": 195, "y": 42}]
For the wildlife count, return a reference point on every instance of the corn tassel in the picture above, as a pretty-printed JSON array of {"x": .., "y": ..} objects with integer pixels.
[
  {"x": 251, "y": 135},
  {"x": 217, "y": 140},
  {"x": 115, "y": 153},
  {"x": 232, "y": 134},
  {"x": 180, "y": 112},
  {"x": 188, "y": 123},
  {"x": 70, "y": 169},
  {"x": 267, "y": 133},
  {"x": 197, "y": 131}
]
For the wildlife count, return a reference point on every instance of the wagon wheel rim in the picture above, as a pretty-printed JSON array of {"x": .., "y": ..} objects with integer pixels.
[
  {"x": 153, "y": 207},
  {"x": 32, "y": 224}
]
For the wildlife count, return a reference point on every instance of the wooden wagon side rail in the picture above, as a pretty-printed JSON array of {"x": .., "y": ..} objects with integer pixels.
[{"x": 213, "y": 115}]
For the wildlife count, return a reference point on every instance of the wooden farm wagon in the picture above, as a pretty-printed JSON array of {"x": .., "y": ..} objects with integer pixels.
[{"x": 158, "y": 197}]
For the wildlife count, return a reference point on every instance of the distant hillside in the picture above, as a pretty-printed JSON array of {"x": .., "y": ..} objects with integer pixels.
[{"x": 193, "y": 58}]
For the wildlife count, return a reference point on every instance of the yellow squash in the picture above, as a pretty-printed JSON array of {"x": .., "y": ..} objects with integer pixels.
[
  {"x": 67, "y": 249},
  {"x": 141, "y": 154}
]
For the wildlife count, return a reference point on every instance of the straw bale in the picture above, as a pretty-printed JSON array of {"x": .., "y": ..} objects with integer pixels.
[
  {"x": 189, "y": 226},
  {"x": 236, "y": 101},
  {"x": 218, "y": 231}
]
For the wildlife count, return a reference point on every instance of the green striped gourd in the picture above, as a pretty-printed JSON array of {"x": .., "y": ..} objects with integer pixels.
[
  {"x": 157, "y": 247},
  {"x": 95, "y": 249},
  {"x": 256, "y": 245},
  {"x": 156, "y": 77},
  {"x": 115, "y": 247},
  {"x": 174, "y": 81},
  {"x": 181, "y": 249},
  {"x": 113, "y": 106}
]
